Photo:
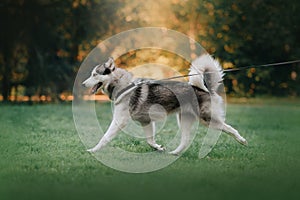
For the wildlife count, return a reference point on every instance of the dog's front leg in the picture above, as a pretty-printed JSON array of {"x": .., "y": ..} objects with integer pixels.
[
  {"x": 108, "y": 136},
  {"x": 120, "y": 119}
]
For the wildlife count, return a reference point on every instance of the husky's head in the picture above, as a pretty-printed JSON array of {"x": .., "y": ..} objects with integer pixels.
[{"x": 100, "y": 75}]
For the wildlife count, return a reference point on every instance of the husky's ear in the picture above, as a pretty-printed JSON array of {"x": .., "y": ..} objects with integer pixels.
[
  {"x": 110, "y": 64},
  {"x": 110, "y": 59}
]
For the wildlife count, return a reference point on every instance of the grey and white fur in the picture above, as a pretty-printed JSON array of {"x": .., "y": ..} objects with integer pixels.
[{"x": 147, "y": 100}]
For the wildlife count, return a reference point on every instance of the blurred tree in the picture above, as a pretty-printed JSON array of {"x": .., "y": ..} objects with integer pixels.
[
  {"x": 43, "y": 41},
  {"x": 51, "y": 33},
  {"x": 247, "y": 32}
]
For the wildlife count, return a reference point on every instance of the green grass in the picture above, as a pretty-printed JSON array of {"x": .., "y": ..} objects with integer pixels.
[{"x": 42, "y": 157}]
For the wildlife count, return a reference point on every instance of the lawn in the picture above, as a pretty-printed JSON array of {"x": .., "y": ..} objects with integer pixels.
[{"x": 42, "y": 157}]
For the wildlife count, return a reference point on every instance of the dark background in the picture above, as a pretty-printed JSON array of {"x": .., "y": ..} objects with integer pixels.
[{"x": 43, "y": 42}]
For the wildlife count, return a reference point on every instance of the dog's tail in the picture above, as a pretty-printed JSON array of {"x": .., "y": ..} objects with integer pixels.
[{"x": 206, "y": 73}]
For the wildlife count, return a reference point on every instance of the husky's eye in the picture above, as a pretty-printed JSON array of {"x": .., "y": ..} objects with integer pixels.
[
  {"x": 106, "y": 71},
  {"x": 94, "y": 74}
]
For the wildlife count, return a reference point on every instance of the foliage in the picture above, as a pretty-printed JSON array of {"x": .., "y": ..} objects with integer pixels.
[
  {"x": 43, "y": 42},
  {"x": 247, "y": 32},
  {"x": 42, "y": 39}
]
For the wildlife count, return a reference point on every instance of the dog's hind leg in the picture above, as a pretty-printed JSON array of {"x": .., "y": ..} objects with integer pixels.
[
  {"x": 229, "y": 130},
  {"x": 186, "y": 123},
  {"x": 233, "y": 132},
  {"x": 150, "y": 134},
  {"x": 178, "y": 119}
]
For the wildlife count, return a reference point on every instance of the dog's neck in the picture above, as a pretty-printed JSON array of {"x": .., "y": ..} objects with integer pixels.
[{"x": 120, "y": 79}]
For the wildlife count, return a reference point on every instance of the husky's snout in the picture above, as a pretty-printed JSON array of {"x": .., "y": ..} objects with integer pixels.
[
  {"x": 84, "y": 83},
  {"x": 92, "y": 84}
]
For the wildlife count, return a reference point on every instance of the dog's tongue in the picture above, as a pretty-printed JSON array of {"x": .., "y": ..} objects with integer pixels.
[{"x": 96, "y": 87}]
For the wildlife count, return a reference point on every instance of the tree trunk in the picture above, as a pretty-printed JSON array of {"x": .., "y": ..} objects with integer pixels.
[
  {"x": 6, "y": 81},
  {"x": 5, "y": 86}
]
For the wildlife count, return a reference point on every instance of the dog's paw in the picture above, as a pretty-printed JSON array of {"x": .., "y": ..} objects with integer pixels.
[
  {"x": 91, "y": 150},
  {"x": 243, "y": 141},
  {"x": 158, "y": 147},
  {"x": 174, "y": 153}
]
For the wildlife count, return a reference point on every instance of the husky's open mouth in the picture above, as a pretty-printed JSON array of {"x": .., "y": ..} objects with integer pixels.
[{"x": 96, "y": 87}]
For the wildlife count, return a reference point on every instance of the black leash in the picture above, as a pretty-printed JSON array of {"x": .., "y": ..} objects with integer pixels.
[
  {"x": 265, "y": 65},
  {"x": 238, "y": 69}
]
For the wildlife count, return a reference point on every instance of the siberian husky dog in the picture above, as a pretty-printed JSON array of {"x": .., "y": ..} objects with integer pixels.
[{"x": 148, "y": 100}]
